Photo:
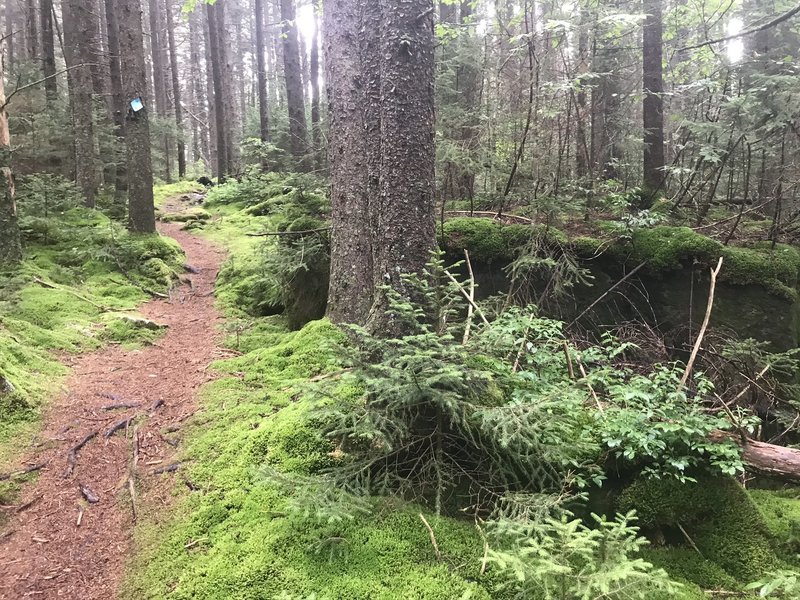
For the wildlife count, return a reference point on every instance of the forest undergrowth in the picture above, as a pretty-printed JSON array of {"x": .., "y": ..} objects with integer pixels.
[{"x": 310, "y": 474}]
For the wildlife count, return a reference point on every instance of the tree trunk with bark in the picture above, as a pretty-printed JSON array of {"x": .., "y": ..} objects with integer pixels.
[
  {"x": 314, "y": 76},
  {"x": 404, "y": 214},
  {"x": 118, "y": 106},
  {"x": 261, "y": 66},
  {"x": 176, "y": 88},
  {"x": 216, "y": 76},
  {"x": 48, "y": 51},
  {"x": 10, "y": 245},
  {"x": 350, "y": 293},
  {"x": 653, "y": 103},
  {"x": 157, "y": 39},
  {"x": 295, "y": 98},
  {"x": 141, "y": 212},
  {"x": 77, "y": 19}
]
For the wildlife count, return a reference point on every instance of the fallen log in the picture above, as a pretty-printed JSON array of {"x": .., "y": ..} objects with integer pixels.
[{"x": 766, "y": 459}]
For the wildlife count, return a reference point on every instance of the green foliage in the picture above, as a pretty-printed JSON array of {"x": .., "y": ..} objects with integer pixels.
[
  {"x": 489, "y": 241},
  {"x": 780, "y": 510},
  {"x": 563, "y": 559},
  {"x": 650, "y": 423}
]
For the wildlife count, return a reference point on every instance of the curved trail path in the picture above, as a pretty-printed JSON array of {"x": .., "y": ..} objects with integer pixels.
[{"x": 44, "y": 552}]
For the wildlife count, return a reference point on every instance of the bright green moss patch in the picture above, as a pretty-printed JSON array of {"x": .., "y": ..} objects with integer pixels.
[
  {"x": 718, "y": 515},
  {"x": 164, "y": 191},
  {"x": 489, "y": 241},
  {"x": 668, "y": 248},
  {"x": 686, "y": 565},
  {"x": 781, "y": 513}
]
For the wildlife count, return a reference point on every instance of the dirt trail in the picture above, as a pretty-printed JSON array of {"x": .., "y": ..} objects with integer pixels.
[{"x": 44, "y": 553}]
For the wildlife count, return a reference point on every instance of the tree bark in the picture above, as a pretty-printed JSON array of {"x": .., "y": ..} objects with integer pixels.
[
  {"x": 77, "y": 19},
  {"x": 118, "y": 106},
  {"x": 141, "y": 212},
  {"x": 295, "y": 98},
  {"x": 31, "y": 31},
  {"x": 176, "y": 88},
  {"x": 219, "y": 104},
  {"x": 653, "y": 103},
  {"x": 350, "y": 293},
  {"x": 159, "y": 75},
  {"x": 228, "y": 66},
  {"x": 48, "y": 51},
  {"x": 314, "y": 73},
  {"x": 261, "y": 65},
  {"x": 10, "y": 246},
  {"x": 405, "y": 233}
]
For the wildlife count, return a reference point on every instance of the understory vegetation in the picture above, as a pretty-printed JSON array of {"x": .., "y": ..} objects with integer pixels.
[{"x": 487, "y": 453}]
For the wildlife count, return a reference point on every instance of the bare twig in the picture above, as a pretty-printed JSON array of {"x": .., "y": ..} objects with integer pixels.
[
  {"x": 433, "y": 537},
  {"x": 607, "y": 292},
  {"x": 699, "y": 341},
  {"x": 769, "y": 25},
  {"x": 690, "y": 540},
  {"x": 466, "y": 295},
  {"x": 69, "y": 291},
  {"x": 468, "y": 326}
]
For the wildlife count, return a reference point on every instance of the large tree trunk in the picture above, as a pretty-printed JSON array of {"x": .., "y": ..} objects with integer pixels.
[
  {"x": 350, "y": 294},
  {"x": 228, "y": 64},
  {"x": 141, "y": 212},
  {"x": 261, "y": 64},
  {"x": 292, "y": 70},
  {"x": 176, "y": 88},
  {"x": 219, "y": 103},
  {"x": 199, "y": 90},
  {"x": 78, "y": 19},
  {"x": 48, "y": 51},
  {"x": 118, "y": 106},
  {"x": 653, "y": 103},
  {"x": 405, "y": 232},
  {"x": 10, "y": 246}
]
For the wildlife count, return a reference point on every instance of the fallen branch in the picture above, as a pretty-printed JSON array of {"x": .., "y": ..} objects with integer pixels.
[
  {"x": 21, "y": 472},
  {"x": 61, "y": 288},
  {"x": 72, "y": 456},
  {"x": 701, "y": 334},
  {"x": 767, "y": 459}
]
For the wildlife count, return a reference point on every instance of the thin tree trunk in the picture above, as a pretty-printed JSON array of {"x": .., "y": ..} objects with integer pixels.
[
  {"x": 48, "y": 51},
  {"x": 118, "y": 105},
  {"x": 653, "y": 103},
  {"x": 261, "y": 64},
  {"x": 176, "y": 88},
  {"x": 10, "y": 246},
  {"x": 77, "y": 19},
  {"x": 159, "y": 75},
  {"x": 292, "y": 70},
  {"x": 31, "y": 31},
  {"x": 219, "y": 109},
  {"x": 314, "y": 73},
  {"x": 141, "y": 212}
]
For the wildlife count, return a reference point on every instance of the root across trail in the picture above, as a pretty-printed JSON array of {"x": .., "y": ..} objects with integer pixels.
[{"x": 70, "y": 533}]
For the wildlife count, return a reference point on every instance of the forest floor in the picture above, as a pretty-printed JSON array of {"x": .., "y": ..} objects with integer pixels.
[{"x": 70, "y": 533}]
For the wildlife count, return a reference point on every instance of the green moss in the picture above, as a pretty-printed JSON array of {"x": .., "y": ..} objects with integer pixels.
[
  {"x": 489, "y": 241},
  {"x": 717, "y": 514},
  {"x": 685, "y": 564},
  {"x": 162, "y": 192},
  {"x": 781, "y": 513},
  {"x": 777, "y": 270},
  {"x": 190, "y": 215},
  {"x": 668, "y": 248}
]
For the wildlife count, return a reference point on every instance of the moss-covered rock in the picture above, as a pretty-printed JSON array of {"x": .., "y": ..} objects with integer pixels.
[
  {"x": 780, "y": 510},
  {"x": 719, "y": 517}
]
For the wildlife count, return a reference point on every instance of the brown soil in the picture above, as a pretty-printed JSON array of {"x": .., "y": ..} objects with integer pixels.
[{"x": 44, "y": 552}]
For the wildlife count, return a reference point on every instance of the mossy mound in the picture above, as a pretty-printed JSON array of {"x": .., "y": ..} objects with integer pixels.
[
  {"x": 780, "y": 510},
  {"x": 720, "y": 518},
  {"x": 490, "y": 241}
]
